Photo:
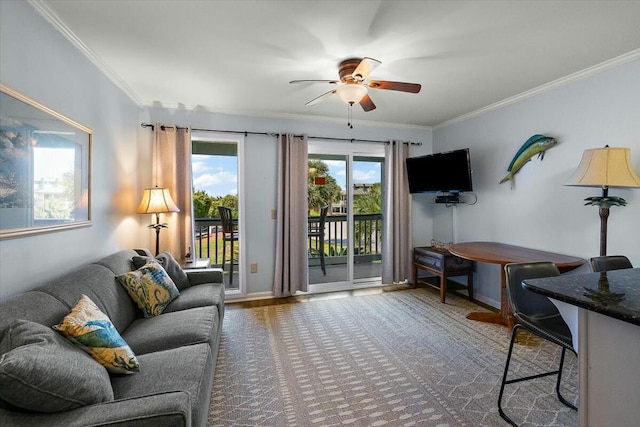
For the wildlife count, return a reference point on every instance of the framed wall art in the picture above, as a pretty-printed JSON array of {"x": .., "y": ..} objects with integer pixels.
[{"x": 45, "y": 168}]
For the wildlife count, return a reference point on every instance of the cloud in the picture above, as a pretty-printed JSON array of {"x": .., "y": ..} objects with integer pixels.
[
  {"x": 220, "y": 177},
  {"x": 362, "y": 176},
  {"x": 338, "y": 164},
  {"x": 199, "y": 167},
  {"x": 219, "y": 183}
]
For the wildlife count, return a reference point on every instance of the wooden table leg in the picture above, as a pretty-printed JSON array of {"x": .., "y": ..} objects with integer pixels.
[{"x": 504, "y": 316}]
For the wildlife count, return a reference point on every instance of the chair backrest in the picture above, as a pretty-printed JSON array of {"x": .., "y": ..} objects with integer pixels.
[
  {"x": 609, "y": 262},
  {"x": 323, "y": 215},
  {"x": 523, "y": 301},
  {"x": 227, "y": 219}
]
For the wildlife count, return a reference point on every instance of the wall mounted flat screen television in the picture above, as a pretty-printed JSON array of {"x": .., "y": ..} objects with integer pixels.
[{"x": 448, "y": 172}]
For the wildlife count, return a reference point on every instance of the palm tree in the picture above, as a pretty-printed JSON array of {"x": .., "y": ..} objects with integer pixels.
[{"x": 321, "y": 195}]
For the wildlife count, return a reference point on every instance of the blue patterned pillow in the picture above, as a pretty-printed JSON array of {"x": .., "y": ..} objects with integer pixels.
[
  {"x": 150, "y": 287},
  {"x": 170, "y": 265},
  {"x": 92, "y": 330}
]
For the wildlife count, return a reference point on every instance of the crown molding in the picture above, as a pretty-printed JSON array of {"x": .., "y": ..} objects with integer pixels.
[
  {"x": 288, "y": 116},
  {"x": 43, "y": 8},
  {"x": 587, "y": 72}
]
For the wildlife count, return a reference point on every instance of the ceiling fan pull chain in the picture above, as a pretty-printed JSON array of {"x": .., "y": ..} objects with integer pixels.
[{"x": 350, "y": 115}]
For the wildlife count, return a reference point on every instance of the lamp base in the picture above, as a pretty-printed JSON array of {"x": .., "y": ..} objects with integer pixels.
[
  {"x": 157, "y": 227},
  {"x": 604, "y": 216}
]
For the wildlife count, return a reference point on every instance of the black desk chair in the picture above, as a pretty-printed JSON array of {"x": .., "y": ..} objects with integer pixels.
[
  {"x": 316, "y": 230},
  {"x": 609, "y": 262},
  {"x": 229, "y": 234},
  {"x": 538, "y": 315}
]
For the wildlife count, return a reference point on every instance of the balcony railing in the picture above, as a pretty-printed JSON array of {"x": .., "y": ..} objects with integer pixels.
[
  {"x": 367, "y": 233},
  {"x": 208, "y": 235},
  {"x": 367, "y": 238}
]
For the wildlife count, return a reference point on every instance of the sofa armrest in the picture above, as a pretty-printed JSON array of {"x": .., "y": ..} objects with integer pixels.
[
  {"x": 168, "y": 409},
  {"x": 209, "y": 275}
]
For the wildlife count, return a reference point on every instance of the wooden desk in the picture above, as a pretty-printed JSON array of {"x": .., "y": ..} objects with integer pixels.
[
  {"x": 503, "y": 254},
  {"x": 442, "y": 264}
]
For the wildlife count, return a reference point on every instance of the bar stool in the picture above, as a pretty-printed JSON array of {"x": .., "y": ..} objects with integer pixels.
[{"x": 229, "y": 234}]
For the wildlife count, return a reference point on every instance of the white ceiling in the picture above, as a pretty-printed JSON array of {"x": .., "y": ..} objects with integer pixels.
[{"x": 239, "y": 56}]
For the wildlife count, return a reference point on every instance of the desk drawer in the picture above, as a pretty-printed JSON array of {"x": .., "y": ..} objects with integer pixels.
[{"x": 441, "y": 261}]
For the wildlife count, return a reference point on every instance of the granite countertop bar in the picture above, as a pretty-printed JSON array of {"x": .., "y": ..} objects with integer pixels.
[{"x": 614, "y": 293}]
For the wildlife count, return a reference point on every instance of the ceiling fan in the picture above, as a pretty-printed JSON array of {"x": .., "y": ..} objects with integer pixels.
[{"x": 352, "y": 87}]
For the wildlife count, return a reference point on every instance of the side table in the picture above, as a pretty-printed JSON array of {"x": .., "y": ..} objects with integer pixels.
[
  {"x": 197, "y": 263},
  {"x": 443, "y": 264}
]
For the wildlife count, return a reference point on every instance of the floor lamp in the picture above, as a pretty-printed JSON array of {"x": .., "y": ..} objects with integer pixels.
[
  {"x": 156, "y": 201},
  {"x": 605, "y": 167}
]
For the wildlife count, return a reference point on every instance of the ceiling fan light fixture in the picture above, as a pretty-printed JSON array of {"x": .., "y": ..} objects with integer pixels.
[{"x": 351, "y": 93}]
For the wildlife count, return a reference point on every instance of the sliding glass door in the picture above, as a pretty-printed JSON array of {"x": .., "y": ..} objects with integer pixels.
[
  {"x": 345, "y": 246},
  {"x": 216, "y": 163}
]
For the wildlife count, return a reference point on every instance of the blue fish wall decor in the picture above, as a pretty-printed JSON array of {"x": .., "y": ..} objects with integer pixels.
[{"x": 537, "y": 144}]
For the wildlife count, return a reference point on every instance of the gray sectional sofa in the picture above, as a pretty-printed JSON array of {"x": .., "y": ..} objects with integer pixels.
[{"x": 177, "y": 350}]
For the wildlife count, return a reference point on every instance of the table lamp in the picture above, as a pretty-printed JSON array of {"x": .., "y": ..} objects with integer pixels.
[
  {"x": 605, "y": 167},
  {"x": 156, "y": 201}
]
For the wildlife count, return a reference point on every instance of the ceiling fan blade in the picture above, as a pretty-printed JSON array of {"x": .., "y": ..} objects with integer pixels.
[
  {"x": 321, "y": 97},
  {"x": 364, "y": 68},
  {"x": 367, "y": 104},
  {"x": 400, "y": 86},
  {"x": 315, "y": 81}
]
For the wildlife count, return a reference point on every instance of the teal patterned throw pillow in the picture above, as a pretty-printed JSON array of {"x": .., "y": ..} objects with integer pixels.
[
  {"x": 150, "y": 287},
  {"x": 89, "y": 328}
]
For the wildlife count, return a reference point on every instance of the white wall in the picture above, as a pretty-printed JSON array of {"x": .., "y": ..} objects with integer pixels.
[
  {"x": 540, "y": 212},
  {"x": 40, "y": 63},
  {"x": 260, "y": 180}
]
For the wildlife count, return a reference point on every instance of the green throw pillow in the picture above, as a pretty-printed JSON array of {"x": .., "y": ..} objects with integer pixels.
[
  {"x": 150, "y": 287},
  {"x": 42, "y": 371},
  {"x": 92, "y": 330},
  {"x": 170, "y": 265}
]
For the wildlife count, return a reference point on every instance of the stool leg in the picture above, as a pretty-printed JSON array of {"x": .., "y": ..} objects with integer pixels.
[
  {"x": 231, "y": 266},
  {"x": 443, "y": 288},
  {"x": 224, "y": 252}
]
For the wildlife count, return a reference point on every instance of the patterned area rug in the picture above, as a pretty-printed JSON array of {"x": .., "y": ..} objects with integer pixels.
[{"x": 392, "y": 359}]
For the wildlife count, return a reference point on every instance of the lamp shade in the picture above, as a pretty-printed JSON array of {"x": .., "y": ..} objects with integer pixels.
[
  {"x": 157, "y": 200},
  {"x": 605, "y": 167},
  {"x": 351, "y": 93}
]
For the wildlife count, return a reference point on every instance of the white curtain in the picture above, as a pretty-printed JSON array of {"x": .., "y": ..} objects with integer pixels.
[
  {"x": 172, "y": 170},
  {"x": 396, "y": 252},
  {"x": 291, "y": 230}
]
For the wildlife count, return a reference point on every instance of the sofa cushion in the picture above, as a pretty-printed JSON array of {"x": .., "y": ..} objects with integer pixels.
[
  {"x": 189, "y": 368},
  {"x": 36, "y": 306},
  {"x": 150, "y": 287},
  {"x": 42, "y": 371},
  {"x": 100, "y": 284},
  {"x": 92, "y": 330},
  {"x": 170, "y": 265},
  {"x": 199, "y": 296},
  {"x": 172, "y": 330},
  {"x": 118, "y": 262}
]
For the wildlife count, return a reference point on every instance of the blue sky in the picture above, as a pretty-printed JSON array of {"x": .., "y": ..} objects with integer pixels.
[
  {"x": 218, "y": 175},
  {"x": 363, "y": 172}
]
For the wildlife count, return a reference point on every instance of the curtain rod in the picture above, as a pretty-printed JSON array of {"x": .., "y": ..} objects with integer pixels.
[{"x": 245, "y": 133}]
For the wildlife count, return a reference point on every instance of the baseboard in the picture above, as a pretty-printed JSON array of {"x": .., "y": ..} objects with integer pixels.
[
  {"x": 248, "y": 297},
  {"x": 487, "y": 301}
]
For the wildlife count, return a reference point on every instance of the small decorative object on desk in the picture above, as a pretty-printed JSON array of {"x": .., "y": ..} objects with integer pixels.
[{"x": 440, "y": 245}]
